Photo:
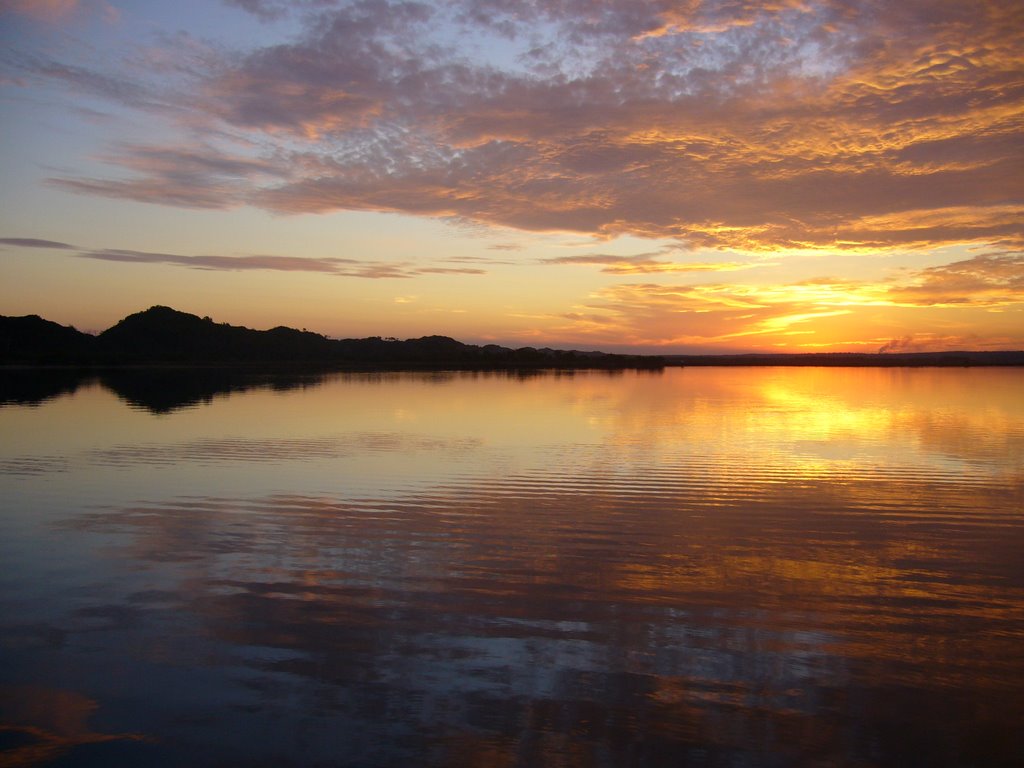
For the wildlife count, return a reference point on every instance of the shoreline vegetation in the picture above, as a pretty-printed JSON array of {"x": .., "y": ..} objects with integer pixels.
[{"x": 166, "y": 338}]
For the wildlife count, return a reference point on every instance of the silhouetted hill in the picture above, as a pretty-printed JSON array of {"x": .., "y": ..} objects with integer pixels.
[
  {"x": 31, "y": 340},
  {"x": 164, "y": 336}
]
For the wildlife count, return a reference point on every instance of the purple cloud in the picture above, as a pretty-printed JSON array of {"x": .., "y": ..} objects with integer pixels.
[
  {"x": 265, "y": 10},
  {"x": 31, "y": 242},
  {"x": 343, "y": 267},
  {"x": 188, "y": 177},
  {"x": 333, "y": 266},
  {"x": 230, "y": 263},
  {"x": 83, "y": 80},
  {"x": 842, "y": 124},
  {"x": 645, "y": 263}
]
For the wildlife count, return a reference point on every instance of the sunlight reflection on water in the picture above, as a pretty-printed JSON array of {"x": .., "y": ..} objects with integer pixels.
[{"x": 713, "y": 566}]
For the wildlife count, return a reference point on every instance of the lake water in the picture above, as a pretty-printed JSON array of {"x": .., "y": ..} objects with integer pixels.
[{"x": 712, "y": 566}]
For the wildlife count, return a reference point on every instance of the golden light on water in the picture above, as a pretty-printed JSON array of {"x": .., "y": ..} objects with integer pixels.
[{"x": 769, "y": 561}]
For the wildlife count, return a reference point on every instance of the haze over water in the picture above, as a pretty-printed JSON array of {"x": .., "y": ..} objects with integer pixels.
[{"x": 714, "y": 566}]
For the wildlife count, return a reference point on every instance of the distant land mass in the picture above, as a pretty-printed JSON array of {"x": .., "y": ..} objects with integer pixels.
[
  {"x": 856, "y": 359},
  {"x": 165, "y": 336},
  {"x": 161, "y": 336}
]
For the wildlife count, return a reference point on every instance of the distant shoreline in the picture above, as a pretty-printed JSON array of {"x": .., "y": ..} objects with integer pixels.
[
  {"x": 919, "y": 360},
  {"x": 952, "y": 359},
  {"x": 161, "y": 337}
]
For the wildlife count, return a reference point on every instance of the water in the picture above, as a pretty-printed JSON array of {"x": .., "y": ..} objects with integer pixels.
[{"x": 716, "y": 567}]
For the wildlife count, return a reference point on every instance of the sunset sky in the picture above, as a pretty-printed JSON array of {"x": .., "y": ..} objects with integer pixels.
[{"x": 785, "y": 175}]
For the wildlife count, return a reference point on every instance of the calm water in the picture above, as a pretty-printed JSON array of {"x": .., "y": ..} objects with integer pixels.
[{"x": 721, "y": 567}]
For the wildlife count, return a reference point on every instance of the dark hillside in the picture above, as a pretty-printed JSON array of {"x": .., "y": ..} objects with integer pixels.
[
  {"x": 165, "y": 336},
  {"x": 31, "y": 340}
]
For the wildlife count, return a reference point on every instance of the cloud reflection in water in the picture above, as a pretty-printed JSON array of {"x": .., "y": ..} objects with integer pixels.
[{"x": 715, "y": 567}]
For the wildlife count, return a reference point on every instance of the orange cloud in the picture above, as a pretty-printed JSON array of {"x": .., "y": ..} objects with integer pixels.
[
  {"x": 765, "y": 316},
  {"x": 744, "y": 126},
  {"x": 995, "y": 280},
  {"x": 648, "y": 263}
]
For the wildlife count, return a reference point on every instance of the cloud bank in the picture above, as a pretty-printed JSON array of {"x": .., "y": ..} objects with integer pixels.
[
  {"x": 328, "y": 265},
  {"x": 735, "y": 313},
  {"x": 795, "y": 124}
]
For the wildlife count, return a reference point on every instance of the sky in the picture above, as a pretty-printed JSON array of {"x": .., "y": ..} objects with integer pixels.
[{"x": 694, "y": 176}]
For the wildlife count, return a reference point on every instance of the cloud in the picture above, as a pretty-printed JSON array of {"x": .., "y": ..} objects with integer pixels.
[
  {"x": 265, "y": 10},
  {"x": 196, "y": 177},
  {"x": 40, "y": 10},
  {"x": 652, "y": 314},
  {"x": 450, "y": 271},
  {"x": 722, "y": 313},
  {"x": 329, "y": 265},
  {"x": 647, "y": 263},
  {"x": 31, "y": 242},
  {"x": 853, "y": 125},
  {"x": 274, "y": 10},
  {"x": 333, "y": 266},
  {"x": 478, "y": 260},
  {"x": 988, "y": 280},
  {"x": 228, "y": 263},
  {"x": 79, "y": 79}
]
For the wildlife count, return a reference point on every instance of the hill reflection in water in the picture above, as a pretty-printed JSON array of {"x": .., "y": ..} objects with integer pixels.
[
  {"x": 715, "y": 567},
  {"x": 158, "y": 390},
  {"x": 166, "y": 389}
]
